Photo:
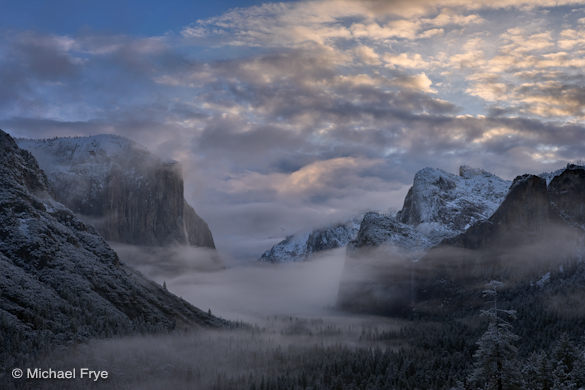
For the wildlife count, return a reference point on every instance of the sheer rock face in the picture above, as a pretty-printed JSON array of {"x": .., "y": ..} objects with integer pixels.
[
  {"x": 567, "y": 195},
  {"x": 526, "y": 206},
  {"x": 524, "y": 212},
  {"x": 60, "y": 280},
  {"x": 128, "y": 194},
  {"x": 196, "y": 229}
]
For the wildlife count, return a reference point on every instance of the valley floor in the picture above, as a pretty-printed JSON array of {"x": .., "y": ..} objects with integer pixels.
[{"x": 287, "y": 335}]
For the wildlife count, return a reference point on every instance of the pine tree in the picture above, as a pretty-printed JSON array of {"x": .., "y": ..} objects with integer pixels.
[
  {"x": 579, "y": 367},
  {"x": 537, "y": 372},
  {"x": 495, "y": 365},
  {"x": 566, "y": 362}
]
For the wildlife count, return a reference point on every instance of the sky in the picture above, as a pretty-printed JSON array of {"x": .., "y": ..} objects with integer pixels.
[{"x": 291, "y": 115}]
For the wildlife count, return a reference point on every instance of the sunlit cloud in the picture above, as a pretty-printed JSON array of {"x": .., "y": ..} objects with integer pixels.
[
  {"x": 303, "y": 112},
  {"x": 405, "y": 60}
]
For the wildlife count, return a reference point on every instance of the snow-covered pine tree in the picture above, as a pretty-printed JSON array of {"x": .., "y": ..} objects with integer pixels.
[
  {"x": 495, "y": 365},
  {"x": 567, "y": 364},
  {"x": 537, "y": 372}
]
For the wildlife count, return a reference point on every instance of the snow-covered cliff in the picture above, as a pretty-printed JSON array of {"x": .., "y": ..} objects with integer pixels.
[
  {"x": 442, "y": 204},
  {"x": 300, "y": 246}
]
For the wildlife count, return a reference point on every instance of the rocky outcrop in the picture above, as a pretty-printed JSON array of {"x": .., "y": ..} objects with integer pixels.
[
  {"x": 377, "y": 229},
  {"x": 439, "y": 205},
  {"x": 300, "y": 246},
  {"x": 60, "y": 281},
  {"x": 127, "y": 193}
]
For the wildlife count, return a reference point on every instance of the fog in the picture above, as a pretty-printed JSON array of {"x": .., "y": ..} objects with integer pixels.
[
  {"x": 219, "y": 359},
  {"x": 242, "y": 291},
  {"x": 288, "y": 319},
  {"x": 389, "y": 281},
  {"x": 383, "y": 280},
  {"x": 289, "y": 316}
]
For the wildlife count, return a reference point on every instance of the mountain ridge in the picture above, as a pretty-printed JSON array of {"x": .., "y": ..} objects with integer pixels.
[{"x": 438, "y": 205}]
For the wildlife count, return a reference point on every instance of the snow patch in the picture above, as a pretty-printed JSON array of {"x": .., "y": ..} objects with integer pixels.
[{"x": 544, "y": 280}]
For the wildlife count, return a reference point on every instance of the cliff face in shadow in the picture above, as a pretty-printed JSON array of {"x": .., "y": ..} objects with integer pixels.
[
  {"x": 196, "y": 229},
  {"x": 567, "y": 195},
  {"x": 127, "y": 193},
  {"x": 525, "y": 212}
]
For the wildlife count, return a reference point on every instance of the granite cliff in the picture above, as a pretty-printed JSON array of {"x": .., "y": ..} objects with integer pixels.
[{"x": 127, "y": 193}]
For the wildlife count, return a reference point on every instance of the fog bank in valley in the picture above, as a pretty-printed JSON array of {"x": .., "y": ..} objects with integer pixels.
[{"x": 248, "y": 291}]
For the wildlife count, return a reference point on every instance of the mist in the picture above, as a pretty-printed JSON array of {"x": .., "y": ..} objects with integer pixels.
[
  {"x": 390, "y": 281},
  {"x": 293, "y": 318},
  {"x": 221, "y": 359},
  {"x": 383, "y": 280},
  {"x": 285, "y": 319},
  {"x": 242, "y": 291}
]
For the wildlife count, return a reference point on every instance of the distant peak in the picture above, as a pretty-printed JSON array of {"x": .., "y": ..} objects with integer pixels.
[
  {"x": 466, "y": 171},
  {"x": 430, "y": 174},
  {"x": 430, "y": 169},
  {"x": 526, "y": 180},
  {"x": 575, "y": 166},
  {"x": 83, "y": 147},
  {"x": 97, "y": 138}
]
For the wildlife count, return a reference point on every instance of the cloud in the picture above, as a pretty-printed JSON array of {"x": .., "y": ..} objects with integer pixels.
[
  {"x": 418, "y": 82},
  {"x": 290, "y": 115},
  {"x": 367, "y": 55},
  {"x": 448, "y": 16},
  {"x": 395, "y": 29},
  {"x": 405, "y": 60}
]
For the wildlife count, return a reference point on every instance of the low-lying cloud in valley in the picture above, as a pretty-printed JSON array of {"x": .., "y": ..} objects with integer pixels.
[{"x": 250, "y": 292}]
